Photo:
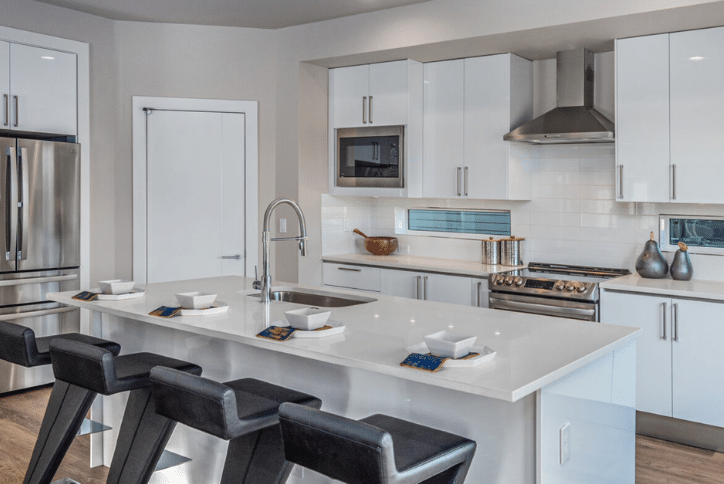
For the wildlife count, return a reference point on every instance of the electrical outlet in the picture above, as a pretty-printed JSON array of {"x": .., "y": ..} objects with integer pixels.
[
  {"x": 283, "y": 225},
  {"x": 564, "y": 438}
]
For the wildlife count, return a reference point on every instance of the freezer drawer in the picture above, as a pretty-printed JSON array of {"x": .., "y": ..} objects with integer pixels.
[
  {"x": 45, "y": 320},
  {"x": 32, "y": 287}
]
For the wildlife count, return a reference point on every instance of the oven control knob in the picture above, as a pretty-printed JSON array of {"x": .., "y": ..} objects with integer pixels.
[
  {"x": 581, "y": 287},
  {"x": 570, "y": 286},
  {"x": 500, "y": 280},
  {"x": 518, "y": 281},
  {"x": 493, "y": 277},
  {"x": 560, "y": 285},
  {"x": 509, "y": 280}
]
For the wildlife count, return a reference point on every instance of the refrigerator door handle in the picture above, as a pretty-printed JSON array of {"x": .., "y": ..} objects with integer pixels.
[
  {"x": 11, "y": 215},
  {"x": 24, "y": 205},
  {"x": 38, "y": 280},
  {"x": 35, "y": 314}
]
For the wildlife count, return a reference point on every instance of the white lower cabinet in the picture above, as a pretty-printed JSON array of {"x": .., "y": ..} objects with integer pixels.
[
  {"x": 678, "y": 364},
  {"x": 351, "y": 276},
  {"x": 462, "y": 290}
]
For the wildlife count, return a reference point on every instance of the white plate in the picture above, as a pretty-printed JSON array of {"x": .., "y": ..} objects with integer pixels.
[
  {"x": 337, "y": 328},
  {"x": 220, "y": 307},
  {"x": 486, "y": 354},
  {"x": 135, "y": 293}
]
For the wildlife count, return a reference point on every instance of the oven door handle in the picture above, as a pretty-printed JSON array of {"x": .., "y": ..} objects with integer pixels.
[
  {"x": 544, "y": 309},
  {"x": 35, "y": 314}
]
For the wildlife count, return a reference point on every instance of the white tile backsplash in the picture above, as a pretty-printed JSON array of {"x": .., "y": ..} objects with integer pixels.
[{"x": 572, "y": 217}]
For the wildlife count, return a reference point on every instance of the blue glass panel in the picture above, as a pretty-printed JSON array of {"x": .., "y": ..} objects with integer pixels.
[
  {"x": 459, "y": 221},
  {"x": 696, "y": 232}
]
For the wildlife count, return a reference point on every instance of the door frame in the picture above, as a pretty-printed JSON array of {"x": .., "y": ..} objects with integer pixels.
[{"x": 251, "y": 172}]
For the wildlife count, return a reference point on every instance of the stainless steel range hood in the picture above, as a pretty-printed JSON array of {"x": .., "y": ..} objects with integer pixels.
[{"x": 574, "y": 120}]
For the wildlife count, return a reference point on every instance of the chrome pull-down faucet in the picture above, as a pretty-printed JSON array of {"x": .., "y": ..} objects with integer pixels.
[{"x": 265, "y": 283}]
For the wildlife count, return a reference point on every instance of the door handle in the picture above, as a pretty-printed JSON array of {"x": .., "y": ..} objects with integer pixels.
[
  {"x": 620, "y": 181},
  {"x": 17, "y": 109},
  {"x": 6, "y": 119},
  {"x": 675, "y": 316},
  {"x": 424, "y": 288},
  {"x": 458, "y": 180},
  {"x": 11, "y": 205},
  {"x": 673, "y": 182},
  {"x": 348, "y": 269},
  {"x": 24, "y": 203},
  {"x": 480, "y": 296},
  {"x": 369, "y": 110},
  {"x": 418, "y": 290},
  {"x": 466, "y": 181},
  {"x": 364, "y": 109},
  {"x": 234, "y": 257},
  {"x": 663, "y": 320}
]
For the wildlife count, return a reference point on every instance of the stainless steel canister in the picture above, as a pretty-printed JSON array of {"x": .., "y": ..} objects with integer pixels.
[
  {"x": 511, "y": 251},
  {"x": 491, "y": 251}
]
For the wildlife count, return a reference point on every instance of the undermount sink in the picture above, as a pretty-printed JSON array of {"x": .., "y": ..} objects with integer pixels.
[{"x": 317, "y": 298}]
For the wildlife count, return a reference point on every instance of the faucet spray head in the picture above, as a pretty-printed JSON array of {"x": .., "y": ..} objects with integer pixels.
[{"x": 303, "y": 247}]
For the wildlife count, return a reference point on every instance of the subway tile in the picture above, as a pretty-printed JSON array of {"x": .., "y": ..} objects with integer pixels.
[
  {"x": 558, "y": 151},
  {"x": 607, "y": 207},
  {"x": 606, "y": 221},
  {"x": 553, "y": 232},
  {"x": 592, "y": 192},
  {"x": 598, "y": 150},
  {"x": 555, "y": 258},
  {"x": 556, "y": 219},
  {"x": 555, "y": 205},
  {"x": 558, "y": 164},
  {"x": 603, "y": 164},
  {"x": 555, "y": 191},
  {"x": 611, "y": 250},
  {"x": 557, "y": 178},
  {"x": 608, "y": 235},
  {"x": 598, "y": 178}
]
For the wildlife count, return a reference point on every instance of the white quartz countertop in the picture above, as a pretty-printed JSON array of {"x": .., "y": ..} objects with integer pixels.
[
  {"x": 419, "y": 263},
  {"x": 700, "y": 289},
  {"x": 532, "y": 351}
]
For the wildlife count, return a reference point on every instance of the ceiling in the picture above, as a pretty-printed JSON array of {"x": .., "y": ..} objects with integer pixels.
[{"x": 261, "y": 14}]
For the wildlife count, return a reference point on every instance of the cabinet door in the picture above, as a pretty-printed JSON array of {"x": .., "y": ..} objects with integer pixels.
[
  {"x": 448, "y": 289},
  {"x": 351, "y": 276},
  {"x": 653, "y": 348},
  {"x": 642, "y": 119},
  {"x": 5, "y": 85},
  {"x": 401, "y": 283},
  {"x": 443, "y": 129},
  {"x": 697, "y": 103},
  {"x": 351, "y": 87},
  {"x": 698, "y": 380},
  {"x": 43, "y": 82},
  {"x": 486, "y": 121},
  {"x": 388, "y": 94}
]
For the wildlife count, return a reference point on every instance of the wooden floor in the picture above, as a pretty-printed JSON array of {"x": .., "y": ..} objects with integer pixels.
[
  {"x": 657, "y": 461},
  {"x": 20, "y": 418}
]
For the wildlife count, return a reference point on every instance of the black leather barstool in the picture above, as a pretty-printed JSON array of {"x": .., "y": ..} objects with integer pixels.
[
  {"x": 244, "y": 412},
  {"x": 375, "y": 450},
  {"x": 81, "y": 372}
]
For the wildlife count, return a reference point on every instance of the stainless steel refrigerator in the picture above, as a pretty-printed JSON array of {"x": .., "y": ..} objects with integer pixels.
[{"x": 40, "y": 241}]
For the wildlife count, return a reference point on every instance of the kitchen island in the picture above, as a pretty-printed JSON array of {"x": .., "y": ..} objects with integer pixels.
[{"x": 557, "y": 389}]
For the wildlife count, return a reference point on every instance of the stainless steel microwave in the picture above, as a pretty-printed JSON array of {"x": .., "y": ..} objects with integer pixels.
[{"x": 371, "y": 157}]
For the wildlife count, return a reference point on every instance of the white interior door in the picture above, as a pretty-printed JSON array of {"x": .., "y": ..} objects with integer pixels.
[{"x": 195, "y": 195}]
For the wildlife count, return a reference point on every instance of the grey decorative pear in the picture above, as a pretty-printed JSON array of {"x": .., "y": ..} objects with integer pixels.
[
  {"x": 651, "y": 263},
  {"x": 681, "y": 269}
]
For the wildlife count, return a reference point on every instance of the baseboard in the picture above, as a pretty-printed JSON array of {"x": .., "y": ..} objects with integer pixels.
[
  {"x": 25, "y": 390},
  {"x": 680, "y": 431}
]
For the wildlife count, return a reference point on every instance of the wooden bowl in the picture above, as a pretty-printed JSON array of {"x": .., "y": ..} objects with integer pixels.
[{"x": 381, "y": 245}]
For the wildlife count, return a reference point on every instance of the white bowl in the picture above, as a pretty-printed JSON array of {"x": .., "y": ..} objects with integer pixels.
[
  {"x": 115, "y": 286},
  {"x": 449, "y": 344},
  {"x": 307, "y": 318},
  {"x": 195, "y": 300}
]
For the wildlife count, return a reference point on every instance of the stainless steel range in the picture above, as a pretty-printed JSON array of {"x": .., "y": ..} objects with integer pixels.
[{"x": 551, "y": 289}]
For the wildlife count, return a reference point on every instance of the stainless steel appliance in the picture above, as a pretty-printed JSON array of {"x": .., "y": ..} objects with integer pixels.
[
  {"x": 40, "y": 236},
  {"x": 371, "y": 157},
  {"x": 551, "y": 289}
]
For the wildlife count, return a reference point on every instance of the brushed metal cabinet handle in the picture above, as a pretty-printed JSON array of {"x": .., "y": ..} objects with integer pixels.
[
  {"x": 348, "y": 269},
  {"x": 424, "y": 287},
  {"x": 364, "y": 109},
  {"x": 17, "y": 109},
  {"x": 458, "y": 179},
  {"x": 369, "y": 109},
  {"x": 235, "y": 256},
  {"x": 663, "y": 320},
  {"x": 418, "y": 291},
  {"x": 6, "y": 119},
  {"x": 480, "y": 297},
  {"x": 673, "y": 182},
  {"x": 620, "y": 181},
  {"x": 466, "y": 181},
  {"x": 675, "y": 321}
]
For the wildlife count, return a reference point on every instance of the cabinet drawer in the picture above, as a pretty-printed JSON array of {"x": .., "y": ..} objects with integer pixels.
[{"x": 353, "y": 277}]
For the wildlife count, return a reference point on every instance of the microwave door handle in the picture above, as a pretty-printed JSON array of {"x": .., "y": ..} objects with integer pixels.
[
  {"x": 11, "y": 205},
  {"x": 24, "y": 221}
]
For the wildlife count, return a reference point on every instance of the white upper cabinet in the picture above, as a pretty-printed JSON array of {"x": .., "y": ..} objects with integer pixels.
[
  {"x": 697, "y": 124},
  {"x": 468, "y": 106},
  {"x": 371, "y": 95},
  {"x": 39, "y": 89},
  {"x": 642, "y": 119}
]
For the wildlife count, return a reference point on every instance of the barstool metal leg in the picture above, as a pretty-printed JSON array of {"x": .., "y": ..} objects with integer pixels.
[
  {"x": 141, "y": 440},
  {"x": 257, "y": 457},
  {"x": 67, "y": 407}
]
